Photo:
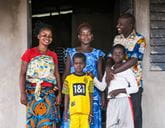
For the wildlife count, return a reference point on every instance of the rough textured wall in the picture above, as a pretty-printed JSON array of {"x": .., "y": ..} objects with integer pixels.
[
  {"x": 13, "y": 41},
  {"x": 153, "y": 95}
]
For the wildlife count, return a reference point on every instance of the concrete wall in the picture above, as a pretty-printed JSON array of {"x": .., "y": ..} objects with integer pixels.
[
  {"x": 153, "y": 95},
  {"x": 13, "y": 41}
]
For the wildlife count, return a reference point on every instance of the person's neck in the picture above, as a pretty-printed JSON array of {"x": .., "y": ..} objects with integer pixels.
[
  {"x": 79, "y": 73},
  {"x": 85, "y": 48},
  {"x": 42, "y": 48},
  {"x": 117, "y": 65},
  {"x": 127, "y": 34}
]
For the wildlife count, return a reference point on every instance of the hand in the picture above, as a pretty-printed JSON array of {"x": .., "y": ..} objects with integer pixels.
[
  {"x": 109, "y": 75},
  {"x": 90, "y": 117},
  {"x": 23, "y": 99},
  {"x": 58, "y": 99},
  {"x": 114, "y": 93},
  {"x": 55, "y": 88},
  {"x": 90, "y": 74}
]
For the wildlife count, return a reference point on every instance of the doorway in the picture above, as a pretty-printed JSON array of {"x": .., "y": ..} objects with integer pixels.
[{"x": 65, "y": 16}]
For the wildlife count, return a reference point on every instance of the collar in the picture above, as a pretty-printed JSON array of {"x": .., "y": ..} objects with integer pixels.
[{"x": 132, "y": 35}]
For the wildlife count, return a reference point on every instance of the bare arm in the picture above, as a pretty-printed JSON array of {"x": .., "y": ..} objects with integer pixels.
[
  {"x": 58, "y": 99},
  {"x": 67, "y": 67},
  {"x": 22, "y": 80},
  {"x": 66, "y": 106},
  {"x": 100, "y": 68},
  {"x": 109, "y": 71},
  {"x": 91, "y": 107},
  {"x": 116, "y": 92},
  {"x": 109, "y": 62},
  {"x": 128, "y": 64}
]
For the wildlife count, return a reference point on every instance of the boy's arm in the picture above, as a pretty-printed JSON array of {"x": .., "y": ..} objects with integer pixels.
[
  {"x": 100, "y": 85},
  {"x": 91, "y": 89},
  {"x": 66, "y": 106},
  {"x": 22, "y": 80},
  {"x": 65, "y": 90},
  {"x": 91, "y": 104}
]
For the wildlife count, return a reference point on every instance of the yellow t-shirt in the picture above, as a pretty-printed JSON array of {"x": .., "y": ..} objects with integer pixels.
[{"x": 78, "y": 88}]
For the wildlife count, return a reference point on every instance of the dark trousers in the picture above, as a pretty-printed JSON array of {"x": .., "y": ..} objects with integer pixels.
[{"x": 136, "y": 101}]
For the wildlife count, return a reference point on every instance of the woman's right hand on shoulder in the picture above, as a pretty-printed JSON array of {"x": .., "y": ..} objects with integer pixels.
[{"x": 23, "y": 99}]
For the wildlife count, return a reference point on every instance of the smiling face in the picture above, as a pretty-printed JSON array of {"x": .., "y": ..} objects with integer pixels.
[
  {"x": 124, "y": 26},
  {"x": 85, "y": 35},
  {"x": 45, "y": 37},
  {"x": 118, "y": 55}
]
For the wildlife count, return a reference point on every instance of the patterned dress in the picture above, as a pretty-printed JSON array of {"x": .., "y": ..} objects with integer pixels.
[
  {"x": 40, "y": 81},
  {"x": 91, "y": 66}
]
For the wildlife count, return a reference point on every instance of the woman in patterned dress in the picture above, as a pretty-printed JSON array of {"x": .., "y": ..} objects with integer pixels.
[
  {"x": 93, "y": 65},
  {"x": 39, "y": 82}
]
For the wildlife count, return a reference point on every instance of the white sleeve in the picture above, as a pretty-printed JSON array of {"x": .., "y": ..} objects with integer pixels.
[
  {"x": 130, "y": 77},
  {"x": 100, "y": 85}
]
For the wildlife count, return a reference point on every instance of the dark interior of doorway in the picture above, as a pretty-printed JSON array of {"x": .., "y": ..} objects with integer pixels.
[{"x": 102, "y": 15}]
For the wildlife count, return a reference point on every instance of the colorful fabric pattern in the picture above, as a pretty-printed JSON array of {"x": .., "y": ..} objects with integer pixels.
[
  {"x": 42, "y": 113},
  {"x": 91, "y": 66},
  {"x": 40, "y": 69},
  {"x": 135, "y": 46}
]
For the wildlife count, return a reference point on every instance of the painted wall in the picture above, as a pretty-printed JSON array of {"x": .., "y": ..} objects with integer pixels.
[
  {"x": 13, "y": 41},
  {"x": 153, "y": 95}
]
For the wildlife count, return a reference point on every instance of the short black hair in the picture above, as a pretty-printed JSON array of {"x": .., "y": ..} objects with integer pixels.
[
  {"x": 130, "y": 17},
  {"x": 79, "y": 55},
  {"x": 118, "y": 46}
]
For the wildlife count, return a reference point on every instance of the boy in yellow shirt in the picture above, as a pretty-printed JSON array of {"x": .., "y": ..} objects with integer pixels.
[{"x": 78, "y": 89}]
